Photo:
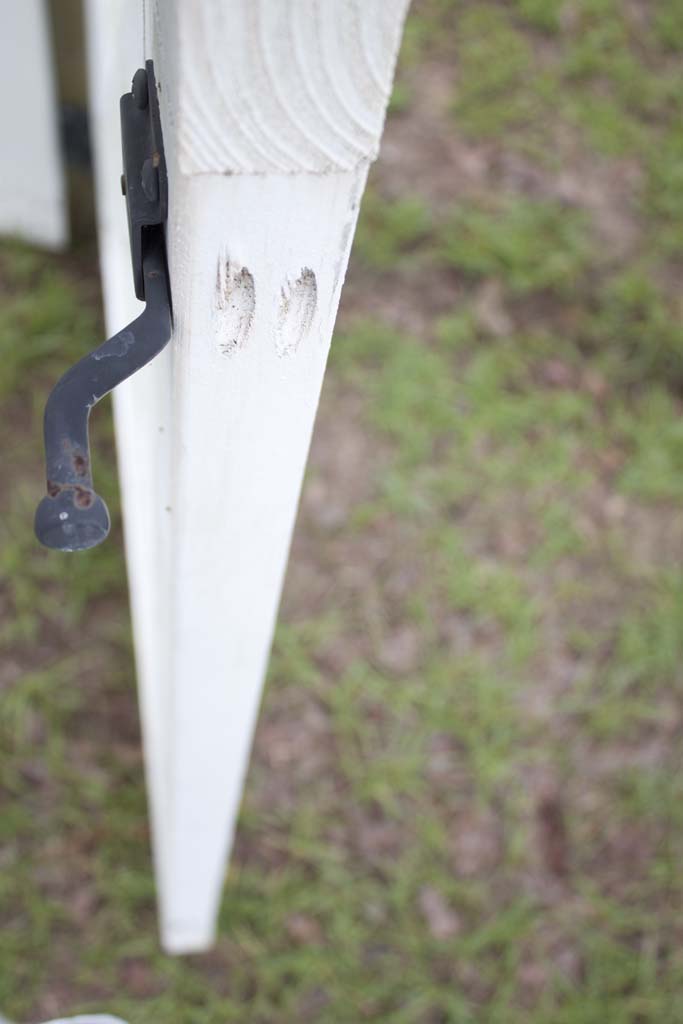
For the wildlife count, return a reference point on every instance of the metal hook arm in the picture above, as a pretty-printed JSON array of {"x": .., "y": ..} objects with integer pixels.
[{"x": 73, "y": 516}]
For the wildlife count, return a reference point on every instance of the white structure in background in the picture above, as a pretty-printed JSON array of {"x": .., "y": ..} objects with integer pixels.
[
  {"x": 272, "y": 111},
  {"x": 32, "y": 188},
  {"x": 90, "y": 1018}
]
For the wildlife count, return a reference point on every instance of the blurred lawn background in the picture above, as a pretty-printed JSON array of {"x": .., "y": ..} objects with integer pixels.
[{"x": 466, "y": 798}]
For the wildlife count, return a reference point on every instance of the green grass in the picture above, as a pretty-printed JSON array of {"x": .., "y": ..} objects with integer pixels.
[
  {"x": 499, "y": 89},
  {"x": 530, "y": 245},
  {"x": 669, "y": 25},
  {"x": 390, "y": 233},
  {"x": 464, "y": 805},
  {"x": 542, "y": 14}
]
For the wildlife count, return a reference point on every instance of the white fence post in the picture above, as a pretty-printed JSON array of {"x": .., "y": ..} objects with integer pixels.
[
  {"x": 272, "y": 112},
  {"x": 115, "y": 42},
  {"x": 33, "y": 195}
]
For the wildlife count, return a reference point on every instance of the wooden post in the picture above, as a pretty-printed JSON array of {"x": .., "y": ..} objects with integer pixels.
[
  {"x": 115, "y": 43},
  {"x": 272, "y": 112},
  {"x": 33, "y": 197}
]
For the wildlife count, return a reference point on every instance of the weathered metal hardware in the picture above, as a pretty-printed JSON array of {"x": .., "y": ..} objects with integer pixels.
[{"x": 73, "y": 516}]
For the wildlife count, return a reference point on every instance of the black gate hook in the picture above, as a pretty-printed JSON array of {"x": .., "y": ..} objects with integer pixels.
[{"x": 73, "y": 516}]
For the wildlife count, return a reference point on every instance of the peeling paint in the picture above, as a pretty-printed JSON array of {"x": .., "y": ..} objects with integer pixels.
[
  {"x": 119, "y": 345},
  {"x": 234, "y": 305},
  {"x": 298, "y": 303}
]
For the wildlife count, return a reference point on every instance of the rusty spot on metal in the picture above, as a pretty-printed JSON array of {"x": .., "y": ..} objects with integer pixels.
[
  {"x": 83, "y": 498},
  {"x": 80, "y": 464},
  {"x": 53, "y": 489}
]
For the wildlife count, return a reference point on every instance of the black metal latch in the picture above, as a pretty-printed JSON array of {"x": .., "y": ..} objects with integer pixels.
[{"x": 73, "y": 516}]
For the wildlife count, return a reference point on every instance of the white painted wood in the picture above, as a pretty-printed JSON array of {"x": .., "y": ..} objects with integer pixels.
[
  {"x": 277, "y": 87},
  {"x": 141, "y": 404},
  {"x": 272, "y": 112},
  {"x": 33, "y": 202}
]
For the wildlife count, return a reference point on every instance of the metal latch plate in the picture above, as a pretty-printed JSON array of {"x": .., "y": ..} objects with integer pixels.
[{"x": 144, "y": 181}]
